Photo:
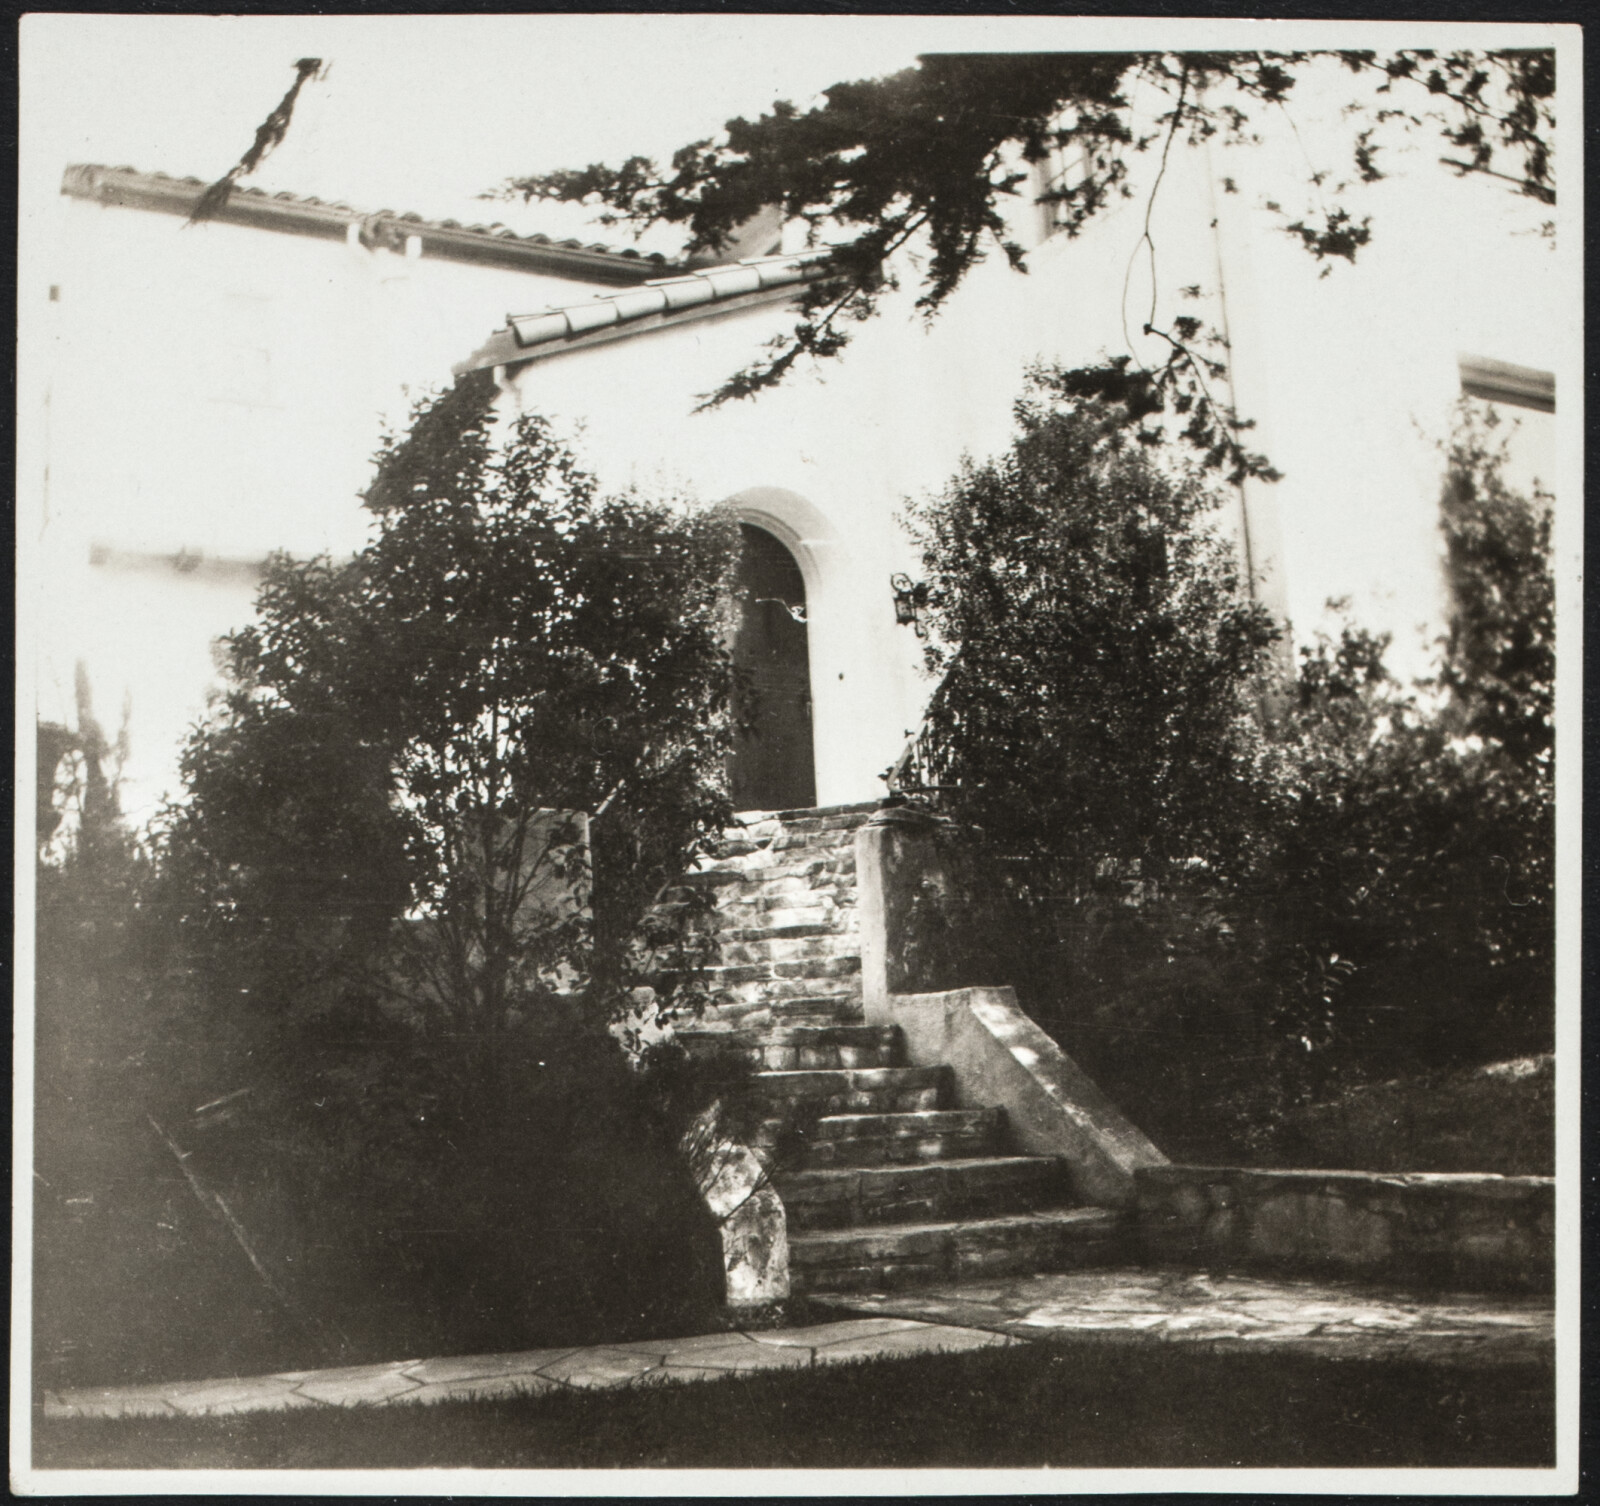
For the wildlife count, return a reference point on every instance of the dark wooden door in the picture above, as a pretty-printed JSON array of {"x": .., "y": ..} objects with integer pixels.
[{"x": 771, "y": 767}]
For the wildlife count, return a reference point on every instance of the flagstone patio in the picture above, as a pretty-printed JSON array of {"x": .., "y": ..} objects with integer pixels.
[
  {"x": 1122, "y": 1306},
  {"x": 599, "y": 1367},
  {"x": 1232, "y": 1313}
]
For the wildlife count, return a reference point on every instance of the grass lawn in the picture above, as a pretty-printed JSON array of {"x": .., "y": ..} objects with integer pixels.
[
  {"x": 1084, "y": 1406},
  {"x": 1495, "y": 1118}
]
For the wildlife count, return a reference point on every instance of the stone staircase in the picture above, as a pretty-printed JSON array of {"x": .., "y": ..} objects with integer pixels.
[{"x": 885, "y": 1182}]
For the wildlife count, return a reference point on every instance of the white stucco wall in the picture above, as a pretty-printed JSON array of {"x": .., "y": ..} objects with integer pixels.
[
  {"x": 217, "y": 390},
  {"x": 1351, "y": 380}
]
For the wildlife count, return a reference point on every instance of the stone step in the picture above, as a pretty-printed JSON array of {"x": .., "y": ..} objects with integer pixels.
[
  {"x": 821, "y": 868},
  {"x": 801, "y": 931},
  {"x": 815, "y": 968},
  {"x": 738, "y": 847},
  {"x": 826, "y": 943},
  {"x": 822, "y": 992},
  {"x": 791, "y": 912},
  {"x": 841, "y": 1009},
  {"x": 857, "y": 814},
  {"x": 885, "y": 1139},
  {"x": 788, "y": 892},
  {"x": 883, "y": 1257},
  {"x": 702, "y": 878},
  {"x": 733, "y": 889},
  {"x": 758, "y": 1015},
  {"x": 835, "y": 1001},
  {"x": 815, "y": 992},
  {"x": 812, "y": 854},
  {"x": 853, "y": 1090},
  {"x": 793, "y": 838},
  {"x": 972, "y": 1187},
  {"x": 820, "y": 880},
  {"x": 789, "y": 862},
  {"x": 863, "y": 810},
  {"x": 798, "y": 1048},
  {"x": 824, "y": 1013},
  {"x": 813, "y": 909}
]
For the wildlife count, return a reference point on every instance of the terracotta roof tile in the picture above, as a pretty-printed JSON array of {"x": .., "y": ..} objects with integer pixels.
[
  {"x": 306, "y": 214},
  {"x": 661, "y": 300}
]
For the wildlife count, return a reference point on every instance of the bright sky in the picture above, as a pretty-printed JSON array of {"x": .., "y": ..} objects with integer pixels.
[{"x": 425, "y": 112}]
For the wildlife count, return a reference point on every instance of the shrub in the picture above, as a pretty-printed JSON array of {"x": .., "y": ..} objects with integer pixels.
[
  {"x": 1225, "y": 916},
  {"x": 1494, "y": 1118},
  {"x": 407, "y": 1211},
  {"x": 400, "y": 728},
  {"x": 1100, "y": 664},
  {"x": 402, "y": 905},
  {"x": 119, "y": 1259}
]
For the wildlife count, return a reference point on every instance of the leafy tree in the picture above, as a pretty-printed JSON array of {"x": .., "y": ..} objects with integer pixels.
[
  {"x": 1408, "y": 907},
  {"x": 412, "y": 883},
  {"x": 1499, "y": 656},
  {"x": 98, "y": 1250},
  {"x": 1096, "y": 737},
  {"x": 1101, "y": 664},
  {"x": 926, "y": 159},
  {"x": 91, "y": 878},
  {"x": 401, "y": 726},
  {"x": 1221, "y": 922}
]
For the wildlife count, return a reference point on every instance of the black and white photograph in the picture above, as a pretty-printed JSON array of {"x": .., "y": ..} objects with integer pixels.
[{"x": 781, "y": 754}]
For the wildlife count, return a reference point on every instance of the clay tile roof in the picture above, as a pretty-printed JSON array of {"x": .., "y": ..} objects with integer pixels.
[
  {"x": 307, "y": 215},
  {"x": 675, "y": 300}
]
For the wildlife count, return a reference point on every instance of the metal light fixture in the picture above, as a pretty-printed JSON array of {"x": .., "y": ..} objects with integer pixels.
[{"x": 910, "y": 598}]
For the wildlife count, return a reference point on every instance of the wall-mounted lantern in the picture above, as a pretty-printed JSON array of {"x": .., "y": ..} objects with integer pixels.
[{"x": 910, "y": 600}]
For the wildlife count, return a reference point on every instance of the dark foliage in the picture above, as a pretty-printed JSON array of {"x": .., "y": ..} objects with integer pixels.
[
  {"x": 1102, "y": 666},
  {"x": 379, "y": 1108},
  {"x": 1499, "y": 662},
  {"x": 1418, "y": 867},
  {"x": 1224, "y": 924},
  {"x": 269, "y": 133},
  {"x": 392, "y": 1212},
  {"x": 1496, "y": 1118},
  {"x": 407, "y": 1210},
  {"x": 404, "y": 728},
  {"x": 1096, "y": 736},
  {"x": 95, "y": 1022},
  {"x": 927, "y": 158}
]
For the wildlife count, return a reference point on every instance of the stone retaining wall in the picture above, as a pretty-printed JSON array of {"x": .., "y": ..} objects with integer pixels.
[{"x": 1443, "y": 1231}]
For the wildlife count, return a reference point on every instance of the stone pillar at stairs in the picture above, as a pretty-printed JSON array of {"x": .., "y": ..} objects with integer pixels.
[
  {"x": 901, "y": 887},
  {"x": 998, "y": 1056}
]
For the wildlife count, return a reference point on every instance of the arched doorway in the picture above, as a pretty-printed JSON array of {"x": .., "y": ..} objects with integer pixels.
[{"x": 772, "y": 767}]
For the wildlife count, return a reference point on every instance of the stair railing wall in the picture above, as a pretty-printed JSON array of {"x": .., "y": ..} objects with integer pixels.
[{"x": 908, "y": 912}]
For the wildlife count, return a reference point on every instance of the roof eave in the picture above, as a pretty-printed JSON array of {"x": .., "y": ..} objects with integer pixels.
[
  {"x": 502, "y": 349},
  {"x": 128, "y": 189},
  {"x": 1501, "y": 382}
]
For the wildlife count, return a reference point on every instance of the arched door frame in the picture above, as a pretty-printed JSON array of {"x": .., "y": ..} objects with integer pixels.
[
  {"x": 794, "y": 522},
  {"x": 809, "y": 537}
]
